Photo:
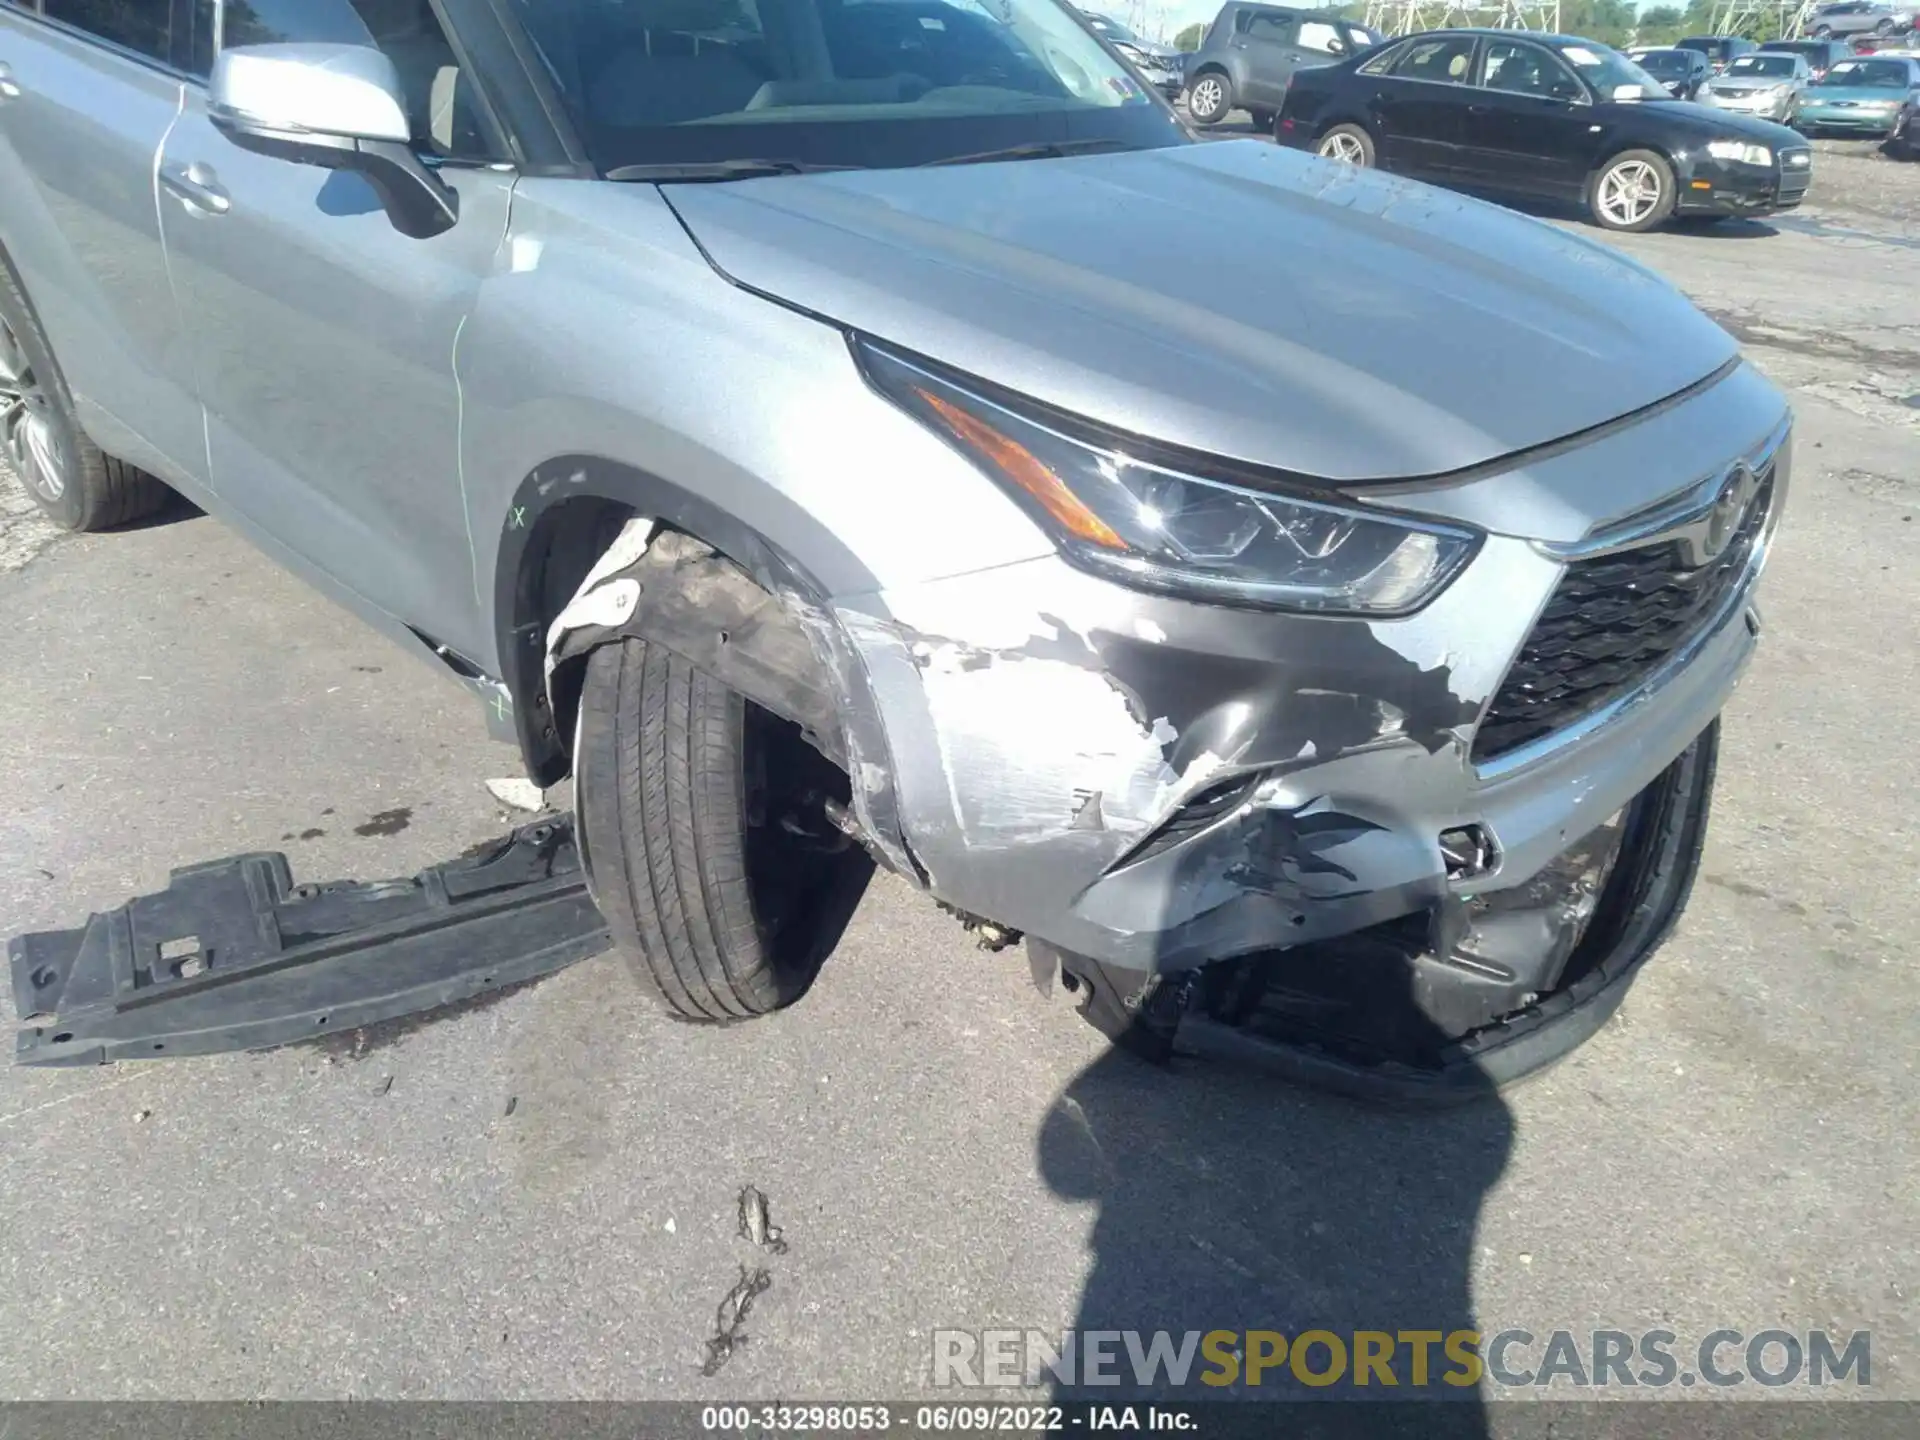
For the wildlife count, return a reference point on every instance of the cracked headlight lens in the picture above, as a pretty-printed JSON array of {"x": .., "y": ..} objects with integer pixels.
[
  {"x": 1741, "y": 151},
  {"x": 1157, "y": 528}
]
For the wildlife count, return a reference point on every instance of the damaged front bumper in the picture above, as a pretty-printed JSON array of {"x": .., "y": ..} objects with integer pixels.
[{"x": 1150, "y": 787}]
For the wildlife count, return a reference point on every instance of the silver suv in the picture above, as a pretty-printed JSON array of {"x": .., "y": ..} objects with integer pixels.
[
  {"x": 820, "y": 429},
  {"x": 1860, "y": 17}
]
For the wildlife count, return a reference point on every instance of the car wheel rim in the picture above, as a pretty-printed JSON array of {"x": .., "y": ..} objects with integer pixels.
[
  {"x": 28, "y": 436},
  {"x": 1629, "y": 192},
  {"x": 1207, "y": 97},
  {"x": 1344, "y": 147}
]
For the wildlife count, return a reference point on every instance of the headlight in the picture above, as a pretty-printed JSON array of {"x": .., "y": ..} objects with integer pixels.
[
  {"x": 1145, "y": 524},
  {"x": 1741, "y": 151}
]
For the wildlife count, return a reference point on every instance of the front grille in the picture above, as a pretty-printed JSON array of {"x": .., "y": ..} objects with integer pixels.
[
  {"x": 1796, "y": 172},
  {"x": 1611, "y": 622}
]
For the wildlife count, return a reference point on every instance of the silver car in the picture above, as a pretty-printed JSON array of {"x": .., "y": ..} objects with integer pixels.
[
  {"x": 1859, "y": 17},
  {"x": 822, "y": 430},
  {"x": 1765, "y": 84}
]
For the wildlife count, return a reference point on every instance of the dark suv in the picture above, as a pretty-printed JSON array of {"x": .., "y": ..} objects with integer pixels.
[
  {"x": 1821, "y": 55},
  {"x": 1720, "y": 50},
  {"x": 1251, "y": 52}
]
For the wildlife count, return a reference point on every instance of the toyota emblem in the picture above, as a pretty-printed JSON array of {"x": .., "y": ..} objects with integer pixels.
[{"x": 1729, "y": 508}]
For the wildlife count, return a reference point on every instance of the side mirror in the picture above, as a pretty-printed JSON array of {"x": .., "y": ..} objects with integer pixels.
[{"x": 335, "y": 106}]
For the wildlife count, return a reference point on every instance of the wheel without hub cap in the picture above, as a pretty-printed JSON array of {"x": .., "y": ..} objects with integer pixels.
[
  {"x": 1348, "y": 144},
  {"x": 1634, "y": 191},
  {"x": 76, "y": 486},
  {"x": 33, "y": 445},
  {"x": 1209, "y": 99}
]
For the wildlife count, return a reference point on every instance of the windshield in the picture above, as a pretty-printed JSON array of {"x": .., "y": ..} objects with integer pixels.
[
  {"x": 1664, "y": 62},
  {"x": 1778, "y": 65},
  {"x": 1890, "y": 74},
  {"x": 834, "y": 82},
  {"x": 1612, "y": 75},
  {"x": 1112, "y": 29}
]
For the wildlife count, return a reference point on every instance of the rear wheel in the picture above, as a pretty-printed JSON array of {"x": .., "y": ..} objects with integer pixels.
[
  {"x": 1209, "y": 98},
  {"x": 1349, "y": 144},
  {"x": 74, "y": 484},
  {"x": 1821, "y": 32},
  {"x": 704, "y": 831},
  {"x": 1263, "y": 119},
  {"x": 1632, "y": 192},
  {"x": 1885, "y": 27}
]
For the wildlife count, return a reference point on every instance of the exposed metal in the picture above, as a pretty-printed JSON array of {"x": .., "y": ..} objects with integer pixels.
[
  {"x": 28, "y": 436},
  {"x": 1408, "y": 17}
]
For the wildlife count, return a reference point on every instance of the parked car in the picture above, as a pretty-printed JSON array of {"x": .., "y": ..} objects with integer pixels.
[
  {"x": 1906, "y": 129},
  {"x": 1683, "y": 72},
  {"x": 1547, "y": 116},
  {"x": 1720, "y": 50},
  {"x": 1862, "y": 96},
  {"x": 1763, "y": 84},
  {"x": 1346, "y": 614},
  {"x": 1161, "y": 66},
  {"x": 1859, "y": 17},
  {"x": 1821, "y": 55},
  {"x": 1252, "y": 51}
]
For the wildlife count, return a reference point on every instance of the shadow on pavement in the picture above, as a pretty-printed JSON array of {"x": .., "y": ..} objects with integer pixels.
[{"x": 1229, "y": 1201}]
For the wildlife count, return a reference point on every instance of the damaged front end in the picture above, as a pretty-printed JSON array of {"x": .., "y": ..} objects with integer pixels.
[{"x": 1442, "y": 1005}]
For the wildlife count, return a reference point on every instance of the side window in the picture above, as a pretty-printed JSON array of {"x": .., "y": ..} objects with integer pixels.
[
  {"x": 1274, "y": 29},
  {"x": 438, "y": 95},
  {"x": 1321, "y": 38},
  {"x": 1385, "y": 61},
  {"x": 142, "y": 26},
  {"x": 1445, "y": 59},
  {"x": 1528, "y": 70}
]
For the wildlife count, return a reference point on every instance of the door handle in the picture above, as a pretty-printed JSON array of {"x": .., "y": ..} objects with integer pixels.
[
  {"x": 9, "y": 87},
  {"x": 197, "y": 186}
]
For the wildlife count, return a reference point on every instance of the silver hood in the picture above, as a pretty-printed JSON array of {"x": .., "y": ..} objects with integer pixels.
[{"x": 1233, "y": 297}]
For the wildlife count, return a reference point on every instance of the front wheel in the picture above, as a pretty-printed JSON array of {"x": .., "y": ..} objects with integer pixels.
[
  {"x": 1349, "y": 144},
  {"x": 1263, "y": 119},
  {"x": 1884, "y": 28},
  {"x": 1632, "y": 192},
  {"x": 1822, "y": 32},
  {"x": 1209, "y": 98},
  {"x": 703, "y": 826}
]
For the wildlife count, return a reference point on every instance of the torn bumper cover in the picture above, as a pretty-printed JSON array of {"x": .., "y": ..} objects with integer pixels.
[{"x": 1436, "y": 1008}]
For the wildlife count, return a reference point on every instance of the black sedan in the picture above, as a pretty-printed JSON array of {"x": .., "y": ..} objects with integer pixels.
[{"x": 1547, "y": 116}]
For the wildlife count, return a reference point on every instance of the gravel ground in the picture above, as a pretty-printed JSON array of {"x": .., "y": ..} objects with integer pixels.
[{"x": 534, "y": 1197}]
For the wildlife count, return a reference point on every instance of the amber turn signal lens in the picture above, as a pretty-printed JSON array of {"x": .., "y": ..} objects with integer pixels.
[{"x": 1020, "y": 465}]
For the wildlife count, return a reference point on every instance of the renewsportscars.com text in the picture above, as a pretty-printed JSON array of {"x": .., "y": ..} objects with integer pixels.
[{"x": 1152, "y": 1359}]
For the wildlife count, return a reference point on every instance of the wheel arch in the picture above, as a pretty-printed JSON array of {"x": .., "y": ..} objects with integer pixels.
[{"x": 564, "y": 515}]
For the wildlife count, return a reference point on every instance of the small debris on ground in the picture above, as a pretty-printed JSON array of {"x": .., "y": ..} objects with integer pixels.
[
  {"x": 668, "y": 1227},
  {"x": 756, "y": 1221},
  {"x": 384, "y": 1086},
  {"x": 731, "y": 1316},
  {"x": 140, "y": 1116},
  {"x": 521, "y": 794},
  {"x": 513, "y": 1103}
]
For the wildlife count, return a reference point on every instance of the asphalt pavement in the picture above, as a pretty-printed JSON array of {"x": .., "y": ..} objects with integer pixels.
[{"x": 535, "y": 1196}]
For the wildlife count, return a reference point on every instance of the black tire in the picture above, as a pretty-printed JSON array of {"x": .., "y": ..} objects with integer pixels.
[
  {"x": 1209, "y": 97},
  {"x": 1263, "y": 119},
  {"x": 721, "y": 910},
  {"x": 1884, "y": 28},
  {"x": 1653, "y": 163},
  {"x": 75, "y": 485},
  {"x": 1822, "y": 32},
  {"x": 1349, "y": 134}
]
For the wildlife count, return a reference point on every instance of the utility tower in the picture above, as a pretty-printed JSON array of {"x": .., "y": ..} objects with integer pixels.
[
  {"x": 1404, "y": 17},
  {"x": 1774, "y": 18}
]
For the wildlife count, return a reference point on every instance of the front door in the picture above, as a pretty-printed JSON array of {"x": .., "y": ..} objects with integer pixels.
[
  {"x": 325, "y": 340},
  {"x": 1530, "y": 123}
]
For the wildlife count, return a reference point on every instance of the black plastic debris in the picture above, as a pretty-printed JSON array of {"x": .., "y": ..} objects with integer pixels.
[{"x": 233, "y": 955}]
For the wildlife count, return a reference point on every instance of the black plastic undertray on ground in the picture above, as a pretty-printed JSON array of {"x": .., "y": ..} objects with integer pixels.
[{"x": 233, "y": 955}]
